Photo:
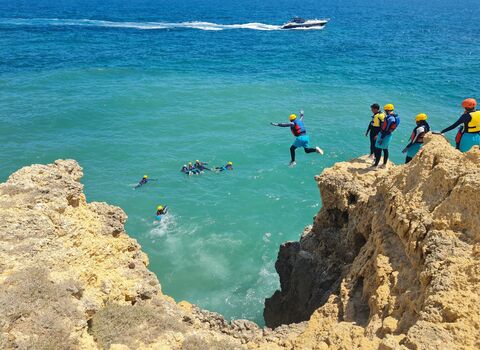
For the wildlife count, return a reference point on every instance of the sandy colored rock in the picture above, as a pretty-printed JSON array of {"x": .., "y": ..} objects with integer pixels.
[
  {"x": 392, "y": 259},
  {"x": 391, "y": 262}
]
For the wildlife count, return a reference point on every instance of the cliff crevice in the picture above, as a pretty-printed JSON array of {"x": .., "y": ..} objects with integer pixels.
[
  {"x": 393, "y": 256},
  {"x": 391, "y": 261}
]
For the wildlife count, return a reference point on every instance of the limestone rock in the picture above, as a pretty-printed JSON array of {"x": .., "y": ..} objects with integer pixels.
[
  {"x": 390, "y": 262},
  {"x": 392, "y": 258}
]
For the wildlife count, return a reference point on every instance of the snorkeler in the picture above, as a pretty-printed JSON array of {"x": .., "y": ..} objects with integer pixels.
[
  {"x": 228, "y": 166},
  {"x": 143, "y": 181},
  {"x": 301, "y": 138}
]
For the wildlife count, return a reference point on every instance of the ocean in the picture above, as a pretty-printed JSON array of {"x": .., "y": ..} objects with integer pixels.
[{"x": 133, "y": 88}]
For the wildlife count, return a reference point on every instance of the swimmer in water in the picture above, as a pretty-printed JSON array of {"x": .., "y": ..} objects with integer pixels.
[
  {"x": 161, "y": 212},
  {"x": 228, "y": 166},
  {"x": 143, "y": 181}
]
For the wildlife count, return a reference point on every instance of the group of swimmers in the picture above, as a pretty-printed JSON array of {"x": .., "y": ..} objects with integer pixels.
[
  {"x": 199, "y": 168},
  {"x": 383, "y": 124},
  {"x": 192, "y": 169}
]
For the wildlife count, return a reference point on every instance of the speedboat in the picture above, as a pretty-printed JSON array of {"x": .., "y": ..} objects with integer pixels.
[{"x": 298, "y": 22}]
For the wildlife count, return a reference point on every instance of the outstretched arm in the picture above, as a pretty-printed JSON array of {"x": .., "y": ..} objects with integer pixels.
[
  {"x": 283, "y": 125},
  {"x": 463, "y": 119}
]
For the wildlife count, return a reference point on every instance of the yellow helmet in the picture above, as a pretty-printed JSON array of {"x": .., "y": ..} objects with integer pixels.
[
  {"x": 160, "y": 207},
  {"x": 389, "y": 107},
  {"x": 197, "y": 161},
  {"x": 189, "y": 163},
  {"x": 292, "y": 117},
  {"x": 230, "y": 163},
  {"x": 421, "y": 116},
  {"x": 145, "y": 176}
]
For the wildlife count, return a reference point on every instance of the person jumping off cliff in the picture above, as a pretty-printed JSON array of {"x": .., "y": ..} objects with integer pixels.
[
  {"x": 143, "y": 181},
  {"x": 374, "y": 126},
  {"x": 416, "y": 139},
  {"x": 390, "y": 123},
  {"x": 471, "y": 125},
  {"x": 301, "y": 138}
]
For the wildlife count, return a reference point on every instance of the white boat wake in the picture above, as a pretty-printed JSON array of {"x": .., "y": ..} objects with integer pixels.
[{"x": 46, "y": 22}]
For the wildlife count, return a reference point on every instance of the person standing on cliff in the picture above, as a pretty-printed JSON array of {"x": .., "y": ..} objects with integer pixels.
[
  {"x": 301, "y": 138},
  {"x": 390, "y": 123},
  {"x": 416, "y": 139},
  {"x": 374, "y": 126},
  {"x": 471, "y": 125}
]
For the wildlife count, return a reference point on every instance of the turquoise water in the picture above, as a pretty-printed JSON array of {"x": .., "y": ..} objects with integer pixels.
[{"x": 129, "y": 90}]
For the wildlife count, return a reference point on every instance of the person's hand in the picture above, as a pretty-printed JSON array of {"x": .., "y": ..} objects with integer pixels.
[
  {"x": 274, "y": 124},
  {"x": 366, "y": 134}
]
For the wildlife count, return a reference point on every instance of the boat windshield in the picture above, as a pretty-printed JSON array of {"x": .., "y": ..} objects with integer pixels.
[{"x": 298, "y": 20}]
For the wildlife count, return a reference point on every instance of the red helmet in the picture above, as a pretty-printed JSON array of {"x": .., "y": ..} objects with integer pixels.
[{"x": 469, "y": 103}]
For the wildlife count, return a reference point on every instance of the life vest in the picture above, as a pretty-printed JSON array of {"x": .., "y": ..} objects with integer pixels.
[
  {"x": 298, "y": 128},
  {"x": 473, "y": 125},
  {"x": 422, "y": 135},
  {"x": 377, "y": 119},
  {"x": 393, "y": 125}
]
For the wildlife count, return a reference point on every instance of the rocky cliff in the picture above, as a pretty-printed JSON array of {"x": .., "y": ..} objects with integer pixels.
[
  {"x": 392, "y": 259},
  {"x": 390, "y": 262},
  {"x": 71, "y": 277}
]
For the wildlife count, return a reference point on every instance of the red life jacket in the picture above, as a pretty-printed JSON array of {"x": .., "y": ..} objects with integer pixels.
[
  {"x": 458, "y": 137},
  {"x": 298, "y": 128},
  {"x": 393, "y": 125}
]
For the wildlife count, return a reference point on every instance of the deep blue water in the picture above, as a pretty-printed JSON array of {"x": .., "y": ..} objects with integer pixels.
[{"x": 128, "y": 88}]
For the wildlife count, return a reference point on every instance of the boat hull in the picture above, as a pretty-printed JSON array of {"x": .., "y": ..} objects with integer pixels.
[{"x": 303, "y": 25}]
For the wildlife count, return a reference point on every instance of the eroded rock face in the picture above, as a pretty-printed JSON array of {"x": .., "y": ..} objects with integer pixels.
[
  {"x": 71, "y": 278},
  {"x": 390, "y": 262},
  {"x": 392, "y": 259}
]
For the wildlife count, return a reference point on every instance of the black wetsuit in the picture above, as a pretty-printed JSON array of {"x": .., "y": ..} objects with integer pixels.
[
  {"x": 464, "y": 119},
  {"x": 374, "y": 131}
]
